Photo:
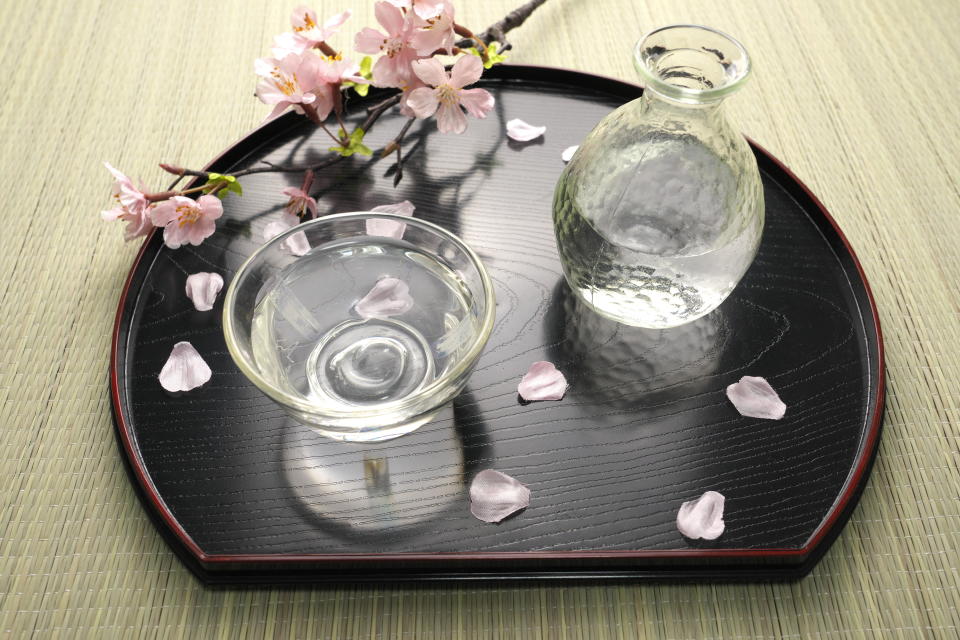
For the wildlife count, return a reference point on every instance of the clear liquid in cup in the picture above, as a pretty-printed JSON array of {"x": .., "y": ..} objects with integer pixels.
[{"x": 309, "y": 339}]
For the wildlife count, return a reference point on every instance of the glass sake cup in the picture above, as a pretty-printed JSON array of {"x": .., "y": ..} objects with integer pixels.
[{"x": 361, "y": 325}]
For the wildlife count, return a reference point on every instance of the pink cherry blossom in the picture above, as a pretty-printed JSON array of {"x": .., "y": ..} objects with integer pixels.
[
  {"x": 187, "y": 221},
  {"x": 389, "y": 297},
  {"x": 132, "y": 206},
  {"x": 393, "y": 67},
  {"x": 495, "y": 495},
  {"x": 448, "y": 93},
  {"x": 543, "y": 381},
  {"x": 295, "y": 80},
  {"x": 202, "y": 289},
  {"x": 703, "y": 517},
  {"x": 755, "y": 398},
  {"x": 296, "y": 243},
  {"x": 522, "y": 131},
  {"x": 185, "y": 369},
  {"x": 299, "y": 202},
  {"x": 432, "y": 34},
  {"x": 425, "y": 8},
  {"x": 306, "y": 32}
]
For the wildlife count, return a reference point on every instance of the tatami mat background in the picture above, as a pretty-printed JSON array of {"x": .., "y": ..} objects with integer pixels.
[{"x": 858, "y": 97}]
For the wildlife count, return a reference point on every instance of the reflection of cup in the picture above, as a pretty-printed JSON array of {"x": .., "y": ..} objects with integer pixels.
[
  {"x": 627, "y": 367},
  {"x": 362, "y": 325},
  {"x": 386, "y": 489}
]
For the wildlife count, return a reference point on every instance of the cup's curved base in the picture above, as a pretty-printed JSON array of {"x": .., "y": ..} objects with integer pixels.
[{"x": 374, "y": 435}]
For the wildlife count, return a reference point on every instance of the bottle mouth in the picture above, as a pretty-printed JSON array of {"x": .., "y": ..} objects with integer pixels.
[{"x": 691, "y": 63}]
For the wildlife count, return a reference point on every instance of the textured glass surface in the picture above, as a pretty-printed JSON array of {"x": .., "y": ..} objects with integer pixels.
[{"x": 660, "y": 212}]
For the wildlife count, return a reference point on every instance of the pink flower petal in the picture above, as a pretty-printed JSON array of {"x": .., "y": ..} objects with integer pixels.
[
  {"x": 703, "y": 517},
  {"x": 422, "y": 102},
  {"x": 466, "y": 71},
  {"x": 389, "y": 297},
  {"x": 390, "y": 228},
  {"x": 520, "y": 131},
  {"x": 477, "y": 101},
  {"x": 495, "y": 495},
  {"x": 451, "y": 119},
  {"x": 389, "y": 17},
  {"x": 297, "y": 244},
  {"x": 755, "y": 398},
  {"x": 430, "y": 71},
  {"x": 369, "y": 41},
  {"x": 184, "y": 369},
  {"x": 567, "y": 154},
  {"x": 542, "y": 382},
  {"x": 202, "y": 288}
]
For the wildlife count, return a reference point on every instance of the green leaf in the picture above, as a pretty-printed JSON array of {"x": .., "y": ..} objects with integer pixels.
[
  {"x": 362, "y": 89},
  {"x": 366, "y": 66},
  {"x": 232, "y": 184},
  {"x": 492, "y": 56}
]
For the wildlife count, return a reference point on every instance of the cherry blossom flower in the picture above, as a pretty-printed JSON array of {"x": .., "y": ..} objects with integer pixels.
[
  {"x": 393, "y": 67},
  {"x": 202, "y": 289},
  {"x": 299, "y": 202},
  {"x": 184, "y": 370},
  {"x": 495, "y": 495},
  {"x": 295, "y": 80},
  {"x": 297, "y": 243},
  {"x": 542, "y": 382},
  {"x": 390, "y": 228},
  {"x": 132, "y": 206},
  {"x": 432, "y": 34},
  {"x": 187, "y": 221},
  {"x": 448, "y": 93},
  {"x": 703, "y": 517},
  {"x": 306, "y": 32},
  {"x": 522, "y": 131},
  {"x": 755, "y": 398},
  {"x": 389, "y": 297},
  {"x": 426, "y": 9}
]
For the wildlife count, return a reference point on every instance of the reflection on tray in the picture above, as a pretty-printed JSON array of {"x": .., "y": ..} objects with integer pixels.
[
  {"x": 392, "y": 487},
  {"x": 626, "y": 367}
]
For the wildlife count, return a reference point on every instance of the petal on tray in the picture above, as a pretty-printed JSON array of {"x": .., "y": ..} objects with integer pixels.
[
  {"x": 522, "y": 131},
  {"x": 495, "y": 495},
  {"x": 389, "y": 297},
  {"x": 184, "y": 369},
  {"x": 567, "y": 154},
  {"x": 542, "y": 382},
  {"x": 755, "y": 398},
  {"x": 390, "y": 228},
  {"x": 202, "y": 289},
  {"x": 703, "y": 517}
]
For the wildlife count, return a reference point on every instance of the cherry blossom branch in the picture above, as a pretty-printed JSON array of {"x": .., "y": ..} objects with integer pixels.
[{"x": 497, "y": 32}]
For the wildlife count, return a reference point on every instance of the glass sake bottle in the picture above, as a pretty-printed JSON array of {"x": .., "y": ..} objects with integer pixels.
[{"x": 660, "y": 211}]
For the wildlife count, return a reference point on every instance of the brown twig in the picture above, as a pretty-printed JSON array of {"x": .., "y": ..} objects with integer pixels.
[
  {"x": 494, "y": 33},
  {"x": 497, "y": 32}
]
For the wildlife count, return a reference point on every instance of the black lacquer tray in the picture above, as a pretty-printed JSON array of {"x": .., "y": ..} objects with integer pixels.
[{"x": 244, "y": 494}]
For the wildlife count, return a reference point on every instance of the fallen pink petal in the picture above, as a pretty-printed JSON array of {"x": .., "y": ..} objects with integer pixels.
[
  {"x": 495, "y": 495},
  {"x": 202, "y": 289},
  {"x": 389, "y": 297},
  {"x": 521, "y": 131},
  {"x": 542, "y": 382},
  {"x": 703, "y": 517},
  {"x": 184, "y": 369},
  {"x": 390, "y": 228},
  {"x": 755, "y": 398},
  {"x": 567, "y": 154},
  {"x": 297, "y": 243}
]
